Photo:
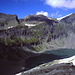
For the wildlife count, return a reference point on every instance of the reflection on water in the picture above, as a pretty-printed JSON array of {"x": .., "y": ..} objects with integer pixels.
[{"x": 42, "y": 58}]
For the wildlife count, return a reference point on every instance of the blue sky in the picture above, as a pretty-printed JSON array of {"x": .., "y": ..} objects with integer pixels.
[{"x": 50, "y": 8}]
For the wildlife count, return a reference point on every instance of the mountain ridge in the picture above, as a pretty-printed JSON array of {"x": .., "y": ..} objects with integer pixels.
[
  {"x": 21, "y": 39},
  {"x": 35, "y": 31}
]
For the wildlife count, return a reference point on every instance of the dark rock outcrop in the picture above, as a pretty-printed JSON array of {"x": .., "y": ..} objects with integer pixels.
[
  {"x": 12, "y": 59},
  {"x": 35, "y": 19}
]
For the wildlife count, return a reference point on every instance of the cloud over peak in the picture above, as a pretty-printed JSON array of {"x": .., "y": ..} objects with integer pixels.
[
  {"x": 42, "y": 12},
  {"x": 61, "y": 3}
]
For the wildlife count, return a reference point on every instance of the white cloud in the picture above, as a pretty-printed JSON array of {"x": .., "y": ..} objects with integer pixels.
[
  {"x": 42, "y": 12},
  {"x": 57, "y": 15},
  {"x": 61, "y": 3}
]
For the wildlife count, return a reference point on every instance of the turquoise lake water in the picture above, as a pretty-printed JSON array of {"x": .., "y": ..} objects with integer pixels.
[{"x": 62, "y": 52}]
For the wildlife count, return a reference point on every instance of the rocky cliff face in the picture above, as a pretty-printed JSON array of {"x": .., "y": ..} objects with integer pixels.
[
  {"x": 37, "y": 32},
  {"x": 8, "y": 21},
  {"x": 70, "y": 19}
]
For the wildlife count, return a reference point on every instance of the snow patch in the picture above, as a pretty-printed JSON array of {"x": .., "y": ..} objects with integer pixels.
[
  {"x": 10, "y": 27},
  {"x": 19, "y": 74},
  {"x": 64, "y": 17},
  {"x": 68, "y": 60},
  {"x": 30, "y": 25}
]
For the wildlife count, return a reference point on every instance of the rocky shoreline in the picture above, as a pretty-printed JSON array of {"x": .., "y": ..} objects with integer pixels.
[{"x": 56, "y": 67}]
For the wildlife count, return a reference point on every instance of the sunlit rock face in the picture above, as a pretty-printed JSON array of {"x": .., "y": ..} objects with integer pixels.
[
  {"x": 64, "y": 42},
  {"x": 64, "y": 16},
  {"x": 69, "y": 19}
]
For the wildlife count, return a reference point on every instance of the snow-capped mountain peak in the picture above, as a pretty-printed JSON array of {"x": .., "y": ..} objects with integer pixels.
[{"x": 64, "y": 16}]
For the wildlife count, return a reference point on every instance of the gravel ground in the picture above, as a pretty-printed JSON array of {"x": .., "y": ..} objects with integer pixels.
[{"x": 57, "y": 69}]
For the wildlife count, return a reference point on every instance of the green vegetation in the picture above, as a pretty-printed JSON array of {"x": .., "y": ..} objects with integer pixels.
[
  {"x": 30, "y": 40},
  {"x": 38, "y": 33},
  {"x": 49, "y": 64},
  {"x": 2, "y": 42},
  {"x": 38, "y": 48},
  {"x": 18, "y": 40},
  {"x": 38, "y": 30},
  {"x": 49, "y": 36},
  {"x": 42, "y": 65},
  {"x": 9, "y": 41},
  {"x": 19, "y": 26}
]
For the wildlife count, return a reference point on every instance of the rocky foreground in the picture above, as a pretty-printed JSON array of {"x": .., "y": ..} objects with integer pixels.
[{"x": 59, "y": 69}]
